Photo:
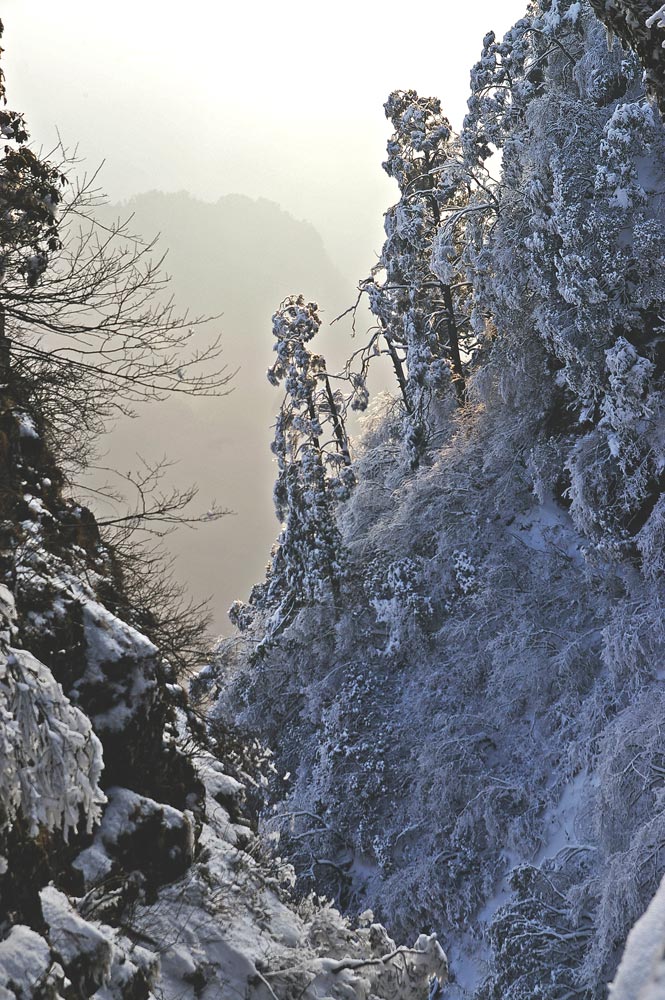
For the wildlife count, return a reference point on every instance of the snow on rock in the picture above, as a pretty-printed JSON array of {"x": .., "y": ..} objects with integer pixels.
[
  {"x": 50, "y": 758},
  {"x": 641, "y": 974},
  {"x": 109, "y": 639},
  {"x": 7, "y": 611},
  {"x": 137, "y": 833},
  {"x": 134, "y": 971},
  {"x": 224, "y": 796},
  {"x": 218, "y": 783},
  {"x": 83, "y": 951},
  {"x": 110, "y": 645},
  {"x": 25, "y": 959}
]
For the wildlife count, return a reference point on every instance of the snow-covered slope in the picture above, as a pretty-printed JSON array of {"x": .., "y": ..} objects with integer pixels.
[
  {"x": 128, "y": 865},
  {"x": 472, "y": 722}
]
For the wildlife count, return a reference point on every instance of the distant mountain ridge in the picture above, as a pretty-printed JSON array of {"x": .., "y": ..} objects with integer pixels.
[{"x": 245, "y": 243}]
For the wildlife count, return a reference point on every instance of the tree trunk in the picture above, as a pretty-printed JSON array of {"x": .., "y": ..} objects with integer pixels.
[{"x": 338, "y": 423}]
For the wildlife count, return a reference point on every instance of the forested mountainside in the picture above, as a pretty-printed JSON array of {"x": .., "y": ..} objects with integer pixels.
[
  {"x": 457, "y": 652},
  {"x": 130, "y": 868},
  {"x": 456, "y": 656}
]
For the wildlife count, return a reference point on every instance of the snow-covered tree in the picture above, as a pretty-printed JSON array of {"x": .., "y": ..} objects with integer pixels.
[
  {"x": 575, "y": 256},
  {"x": 313, "y": 473},
  {"x": 540, "y": 937},
  {"x": 418, "y": 314}
]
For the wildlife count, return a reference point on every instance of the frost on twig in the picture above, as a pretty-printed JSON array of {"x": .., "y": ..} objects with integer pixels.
[{"x": 392, "y": 974}]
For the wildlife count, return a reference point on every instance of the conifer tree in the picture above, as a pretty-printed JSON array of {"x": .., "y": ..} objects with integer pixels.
[
  {"x": 314, "y": 473},
  {"x": 576, "y": 257},
  {"x": 417, "y": 313}
]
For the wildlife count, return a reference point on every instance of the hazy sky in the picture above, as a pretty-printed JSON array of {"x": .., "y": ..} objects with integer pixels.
[{"x": 282, "y": 100}]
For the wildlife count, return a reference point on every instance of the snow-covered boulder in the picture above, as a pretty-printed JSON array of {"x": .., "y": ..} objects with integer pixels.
[
  {"x": 83, "y": 951},
  {"x": 641, "y": 974},
  {"x": 138, "y": 834}
]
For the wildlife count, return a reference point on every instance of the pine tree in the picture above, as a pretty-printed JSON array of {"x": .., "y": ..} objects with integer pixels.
[
  {"x": 575, "y": 257},
  {"x": 418, "y": 316},
  {"x": 314, "y": 473}
]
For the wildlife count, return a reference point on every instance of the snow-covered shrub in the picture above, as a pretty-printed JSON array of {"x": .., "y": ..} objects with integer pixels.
[
  {"x": 650, "y": 542},
  {"x": 633, "y": 642},
  {"x": 465, "y": 573}
]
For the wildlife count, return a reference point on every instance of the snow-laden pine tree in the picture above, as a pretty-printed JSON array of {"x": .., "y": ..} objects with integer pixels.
[
  {"x": 313, "y": 474},
  {"x": 419, "y": 316}
]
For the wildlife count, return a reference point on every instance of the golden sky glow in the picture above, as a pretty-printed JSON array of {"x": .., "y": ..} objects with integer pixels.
[{"x": 282, "y": 100}]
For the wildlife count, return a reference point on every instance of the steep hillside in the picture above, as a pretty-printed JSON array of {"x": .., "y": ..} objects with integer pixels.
[
  {"x": 129, "y": 867},
  {"x": 468, "y": 700}
]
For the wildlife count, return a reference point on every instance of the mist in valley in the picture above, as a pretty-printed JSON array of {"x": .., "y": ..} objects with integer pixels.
[
  {"x": 233, "y": 260},
  {"x": 251, "y": 141}
]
